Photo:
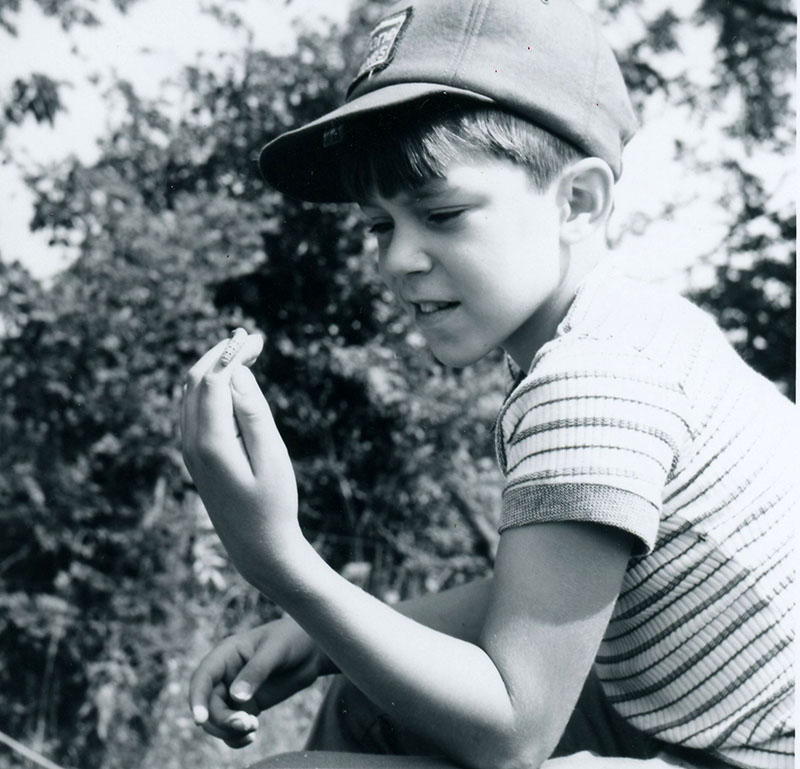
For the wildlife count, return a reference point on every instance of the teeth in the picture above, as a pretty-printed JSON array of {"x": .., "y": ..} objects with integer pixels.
[{"x": 428, "y": 307}]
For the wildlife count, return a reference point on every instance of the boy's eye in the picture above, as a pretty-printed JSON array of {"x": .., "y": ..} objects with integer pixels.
[
  {"x": 440, "y": 217},
  {"x": 380, "y": 228}
]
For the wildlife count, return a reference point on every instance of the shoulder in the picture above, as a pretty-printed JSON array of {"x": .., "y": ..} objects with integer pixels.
[
  {"x": 614, "y": 311},
  {"x": 620, "y": 349},
  {"x": 596, "y": 427}
]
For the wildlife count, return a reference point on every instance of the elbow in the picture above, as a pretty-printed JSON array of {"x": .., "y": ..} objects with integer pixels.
[
  {"x": 524, "y": 753},
  {"x": 504, "y": 753},
  {"x": 527, "y": 756},
  {"x": 525, "y": 745}
]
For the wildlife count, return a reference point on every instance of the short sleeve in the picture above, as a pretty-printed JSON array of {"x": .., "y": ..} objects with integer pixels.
[{"x": 593, "y": 433}]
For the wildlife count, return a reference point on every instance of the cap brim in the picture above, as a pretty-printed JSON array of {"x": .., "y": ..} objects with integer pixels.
[{"x": 305, "y": 162}]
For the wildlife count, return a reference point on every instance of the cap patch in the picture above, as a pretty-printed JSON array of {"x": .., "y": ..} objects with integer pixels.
[
  {"x": 382, "y": 42},
  {"x": 333, "y": 135}
]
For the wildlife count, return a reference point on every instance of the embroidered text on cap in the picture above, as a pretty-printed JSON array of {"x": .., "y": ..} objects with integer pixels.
[{"x": 382, "y": 43}]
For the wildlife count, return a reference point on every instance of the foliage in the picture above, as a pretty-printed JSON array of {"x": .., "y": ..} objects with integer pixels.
[
  {"x": 754, "y": 294},
  {"x": 739, "y": 117},
  {"x": 107, "y": 566},
  {"x": 111, "y": 581},
  {"x": 68, "y": 12},
  {"x": 38, "y": 95}
]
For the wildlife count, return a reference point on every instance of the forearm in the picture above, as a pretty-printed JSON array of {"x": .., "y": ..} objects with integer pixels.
[
  {"x": 459, "y": 612},
  {"x": 499, "y": 700},
  {"x": 443, "y": 687}
]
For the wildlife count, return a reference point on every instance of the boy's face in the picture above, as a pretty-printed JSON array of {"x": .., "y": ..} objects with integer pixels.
[{"x": 475, "y": 257}]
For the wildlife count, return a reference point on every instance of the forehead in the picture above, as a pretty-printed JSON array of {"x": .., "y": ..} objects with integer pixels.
[
  {"x": 477, "y": 178},
  {"x": 409, "y": 196}
]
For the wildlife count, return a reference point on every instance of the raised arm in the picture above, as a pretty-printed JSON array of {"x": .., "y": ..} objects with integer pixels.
[{"x": 500, "y": 702}]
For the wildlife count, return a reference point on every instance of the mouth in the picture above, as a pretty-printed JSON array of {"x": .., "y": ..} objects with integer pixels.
[{"x": 431, "y": 310}]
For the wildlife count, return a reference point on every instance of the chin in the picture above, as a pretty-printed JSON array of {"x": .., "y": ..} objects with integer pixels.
[{"x": 458, "y": 358}]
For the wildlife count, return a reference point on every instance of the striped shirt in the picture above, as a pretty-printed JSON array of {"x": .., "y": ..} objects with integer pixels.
[{"x": 639, "y": 415}]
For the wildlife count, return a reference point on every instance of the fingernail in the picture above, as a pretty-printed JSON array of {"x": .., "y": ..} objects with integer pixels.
[
  {"x": 241, "y": 691},
  {"x": 200, "y": 714},
  {"x": 242, "y": 722}
]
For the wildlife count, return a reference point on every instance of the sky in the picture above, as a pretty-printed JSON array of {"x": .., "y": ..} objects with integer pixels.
[
  {"x": 155, "y": 39},
  {"x": 148, "y": 45}
]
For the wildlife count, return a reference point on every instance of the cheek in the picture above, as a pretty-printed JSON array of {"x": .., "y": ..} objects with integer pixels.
[{"x": 384, "y": 275}]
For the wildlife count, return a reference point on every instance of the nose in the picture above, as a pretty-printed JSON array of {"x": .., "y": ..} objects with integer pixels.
[{"x": 404, "y": 254}]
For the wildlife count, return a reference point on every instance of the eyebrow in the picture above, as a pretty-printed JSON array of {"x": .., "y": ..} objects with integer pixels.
[{"x": 431, "y": 189}]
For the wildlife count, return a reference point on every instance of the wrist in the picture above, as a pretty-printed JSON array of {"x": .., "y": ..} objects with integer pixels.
[{"x": 274, "y": 562}]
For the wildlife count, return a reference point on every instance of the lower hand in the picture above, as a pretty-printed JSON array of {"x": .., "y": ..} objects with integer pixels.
[{"x": 249, "y": 673}]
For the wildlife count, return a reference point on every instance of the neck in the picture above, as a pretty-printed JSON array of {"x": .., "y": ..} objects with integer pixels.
[{"x": 542, "y": 326}]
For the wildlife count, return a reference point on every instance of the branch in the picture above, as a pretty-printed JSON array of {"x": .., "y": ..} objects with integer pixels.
[
  {"x": 477, "y": 520},
  {"x": 47, "y": 680},
  {"x": 31, "y": 755}
]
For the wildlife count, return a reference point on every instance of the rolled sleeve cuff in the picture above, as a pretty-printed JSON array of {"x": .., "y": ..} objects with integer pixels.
[{"x": 588, "y": 502}]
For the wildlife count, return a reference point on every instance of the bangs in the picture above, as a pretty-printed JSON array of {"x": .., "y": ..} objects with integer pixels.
[
  {"x": 394, "y": 156},
  {"x": 402, "y": 151}
]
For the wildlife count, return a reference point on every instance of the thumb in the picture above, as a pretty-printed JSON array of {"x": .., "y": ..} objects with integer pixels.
[
  {"x": 255, "y": 673},
  {"x": 249, "y": 403},
  {"x": 259, "y": 432}
]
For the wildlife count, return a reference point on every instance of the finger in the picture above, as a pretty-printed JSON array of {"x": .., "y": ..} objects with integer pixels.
[
  {"x": 253, "y": 348},
  {"x": 205, "y": 363},
  {"x": 201, "y": 685},
  {"x": 211, "y": 428},
  {"x": 242, "y": 742},
  {"x": 221, "y": 710},
  {"x": 246, "y": 353},
  {"x": 238, "y": 724},
  {"x": 193, "y": 378},
  {"x": 210, "y": 404},
  {"x": 264, "y": 444},
  {"x": 275, "y": 671},
  {"x": 249, "y": 354},
  {"x": 266, "y": 662},
  {"x": 210, "y": 678},
  {"x": 242, "y": 721},
  {"x": 233, "y": 737}
]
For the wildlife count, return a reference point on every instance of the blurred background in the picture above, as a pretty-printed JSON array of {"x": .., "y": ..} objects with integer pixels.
[{"x": 135, "y": 232}]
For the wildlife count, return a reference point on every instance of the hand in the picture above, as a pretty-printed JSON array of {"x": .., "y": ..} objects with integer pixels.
[
  {"x": 249, "y": 673},
  {"x": 245, "y": 479}
]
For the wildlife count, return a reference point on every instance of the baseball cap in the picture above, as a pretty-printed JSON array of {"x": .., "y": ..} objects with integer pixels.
[{"x": 544, "y": 60}]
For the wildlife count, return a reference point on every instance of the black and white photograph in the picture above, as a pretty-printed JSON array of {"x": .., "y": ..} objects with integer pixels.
[{"x": 398, "y": 384}]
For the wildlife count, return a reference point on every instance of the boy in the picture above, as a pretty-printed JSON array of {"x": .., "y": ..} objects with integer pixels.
[{"x": 643, "y": 566}]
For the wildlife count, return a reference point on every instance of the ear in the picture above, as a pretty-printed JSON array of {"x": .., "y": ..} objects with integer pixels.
[{"x": 585, "y": 198}]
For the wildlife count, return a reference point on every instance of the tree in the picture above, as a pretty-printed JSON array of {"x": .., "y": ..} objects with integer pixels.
[
  {"x": 735, "y": 119},
  {"x": 108, "y": 570},
  {"x": 178, "y": 243},
  {"x": 38, "y": 95}
]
